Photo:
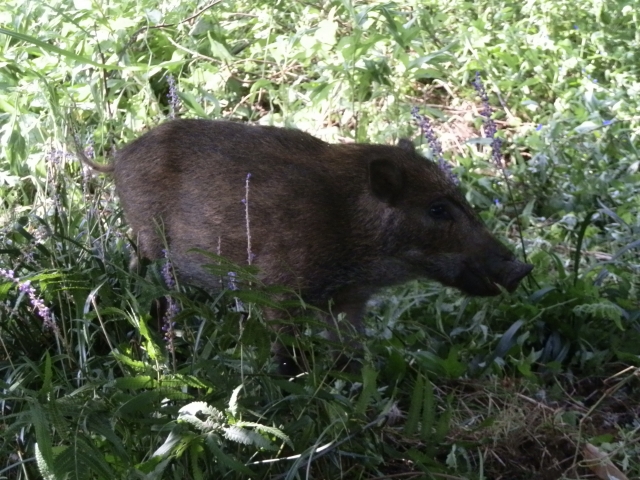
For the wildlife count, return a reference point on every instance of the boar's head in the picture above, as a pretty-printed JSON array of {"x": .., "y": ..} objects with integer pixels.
[{"x": 432, "y": 231}]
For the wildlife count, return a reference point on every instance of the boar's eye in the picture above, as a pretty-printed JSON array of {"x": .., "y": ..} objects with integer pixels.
[{"x": 439, "y": 211}]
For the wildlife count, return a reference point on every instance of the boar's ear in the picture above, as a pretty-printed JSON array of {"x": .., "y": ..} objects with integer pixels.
[
  {"x": 407, "y": 145},
  {"x": 386, "y": 180}
]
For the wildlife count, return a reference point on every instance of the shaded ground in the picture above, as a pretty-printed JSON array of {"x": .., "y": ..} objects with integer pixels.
[{"x": 514, "y": 431}]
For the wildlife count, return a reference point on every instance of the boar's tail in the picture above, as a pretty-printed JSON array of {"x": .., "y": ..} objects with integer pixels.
[{"x": 97, "y": 167}]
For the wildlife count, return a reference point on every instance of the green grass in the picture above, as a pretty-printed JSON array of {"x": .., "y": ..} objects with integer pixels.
[{"x": 513, "y": 387}]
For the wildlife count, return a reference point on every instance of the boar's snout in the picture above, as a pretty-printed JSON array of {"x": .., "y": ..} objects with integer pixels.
[
  {"x": 483, "y": 280},
  {"x": 514, "y": 272}
]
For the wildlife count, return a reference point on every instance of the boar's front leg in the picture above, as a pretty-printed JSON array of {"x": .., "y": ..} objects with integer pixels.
[
  {"x": 343, "y": 318},
  {"x": 345, "y": 326},
  {"x": 351, "y": 302},
  {"x": 288, "y": 359}
]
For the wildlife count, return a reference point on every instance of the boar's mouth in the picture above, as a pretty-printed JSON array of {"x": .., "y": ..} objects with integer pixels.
[{"x": 486, "y": 282}]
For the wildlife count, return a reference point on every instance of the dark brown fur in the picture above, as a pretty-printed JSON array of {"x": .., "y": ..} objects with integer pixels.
[{"x": 335, "y": 222}]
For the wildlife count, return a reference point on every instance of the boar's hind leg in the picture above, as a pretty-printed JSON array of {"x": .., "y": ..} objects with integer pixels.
[{"x": 149, "y": 247}]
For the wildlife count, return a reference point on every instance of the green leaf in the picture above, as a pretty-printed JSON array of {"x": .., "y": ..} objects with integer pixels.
[
  {"x": 536, "y": 296},
  {"x": 150, "y": 345},
  {"x": 80, "y": 459},
  {"x": 143, "y": 402},
  {"x": 269, "y": 430},
  {"x": 393, "y": 26},
  {"x": 369, "y": 376},
  {"x": 440, "y": 56},
  {"x": 43, "y": 465},
  {"x": 43, "y": 438},
  {"x": 192, "y": 102},
  {"x": 218, "y": 50},
  {"x": 196, "y": 454},
  {"x": 48, "y": 375},
  {"x": 454, "y": 368},
  {"x": 507, "y": 340},
  {"x": 98, "y": 423},
  {"x": 47, "y": 47},
  {"x": 586, "y": 127},
  {"x": 428, "y": 411},
  {"x": 228, "y": 461},
  {"x": 444, "y": 422},
  {"x": 417, "y": 399},
  {"x": 135, "y": 383},
  {"x": 188, "y": 380},
  {"x": 137, "y": 365},
  {"x": 427, "y": 73},
  {"x": 603, "y": 309},
  {"x": 173, "y": 439},
  {"x": 246, "y": 437}
]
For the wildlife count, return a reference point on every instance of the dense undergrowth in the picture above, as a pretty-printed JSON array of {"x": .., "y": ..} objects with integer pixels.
[{"x": 535, "y": 384}]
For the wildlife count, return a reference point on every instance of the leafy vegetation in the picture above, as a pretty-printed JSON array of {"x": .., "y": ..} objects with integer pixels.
[{"x": 535, "y": 384}]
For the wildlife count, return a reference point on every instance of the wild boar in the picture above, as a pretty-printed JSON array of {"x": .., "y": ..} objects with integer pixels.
[{"x": 334, "y": 222}]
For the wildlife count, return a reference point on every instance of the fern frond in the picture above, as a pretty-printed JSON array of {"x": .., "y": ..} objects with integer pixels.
[
  {"x": 246, "y": 437},
  {"x": 268, "y": 430},
  {"x": 604, "y": 310},
  {"x": 43, "y": 467}
]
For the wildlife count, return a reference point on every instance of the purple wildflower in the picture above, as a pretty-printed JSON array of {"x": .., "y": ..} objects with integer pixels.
[
  {"x": 38, "y": 303},
  {"x": 174, "y": 101},
  {"x": 26, "y": 288},
  {"x": 173, "y": 308},
  {"x": 539, "y": 127},
  {"x": 8, "y": 274},
  {"x": 434, "y": 144},
  {"x": 90, "y": 151},
  {"x": 607, "y": 122},
  {"x": 489, "y": 125},
  {"x": 168, "y": 325},
  {"x": 53, "y": 159},
  {"x": 167, "y": 271},
  {"x": 54, "y": 156}
]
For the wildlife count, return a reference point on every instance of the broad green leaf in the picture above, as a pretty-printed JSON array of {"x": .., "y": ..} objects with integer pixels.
[
  {"x": 47, "y": 47},
  {"x": 135, "y": 383},
  {"x": 586, "y": 127},
  {"x": 369, "y": 376},
  {"x": 415, "y": 407}
]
